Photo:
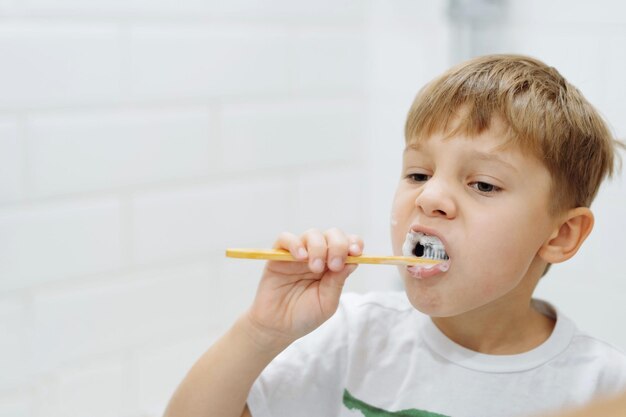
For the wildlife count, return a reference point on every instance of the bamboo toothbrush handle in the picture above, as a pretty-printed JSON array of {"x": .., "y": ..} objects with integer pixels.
[{"x": 283, "y": 255}]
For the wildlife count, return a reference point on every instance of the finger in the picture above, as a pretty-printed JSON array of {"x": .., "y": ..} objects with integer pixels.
[
  {"x": 338, "y": 244},
  {"x": 293, "y": 244},
  {"x": 315, "y": 244},
  {"x": 356, "y": 245},
  {"x": 331, "y": 286}
]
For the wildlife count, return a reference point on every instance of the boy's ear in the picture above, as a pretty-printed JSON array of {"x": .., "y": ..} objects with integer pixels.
[{"x": 568, "y": 236}]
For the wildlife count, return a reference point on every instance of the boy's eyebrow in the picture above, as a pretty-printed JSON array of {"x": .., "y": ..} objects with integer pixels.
[
  {"x": 488, "y": 157},
  {"x": 473, "y": 155}
]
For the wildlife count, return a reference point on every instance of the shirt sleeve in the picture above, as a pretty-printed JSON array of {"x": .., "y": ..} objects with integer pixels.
[{"x": 308, "y": 378}]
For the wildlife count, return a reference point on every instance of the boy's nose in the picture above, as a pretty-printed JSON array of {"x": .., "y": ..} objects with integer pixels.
[{"x": 435, "y": 200}]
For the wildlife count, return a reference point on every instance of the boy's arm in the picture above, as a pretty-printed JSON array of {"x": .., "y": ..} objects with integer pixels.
[{"x": 293, "y": 299}]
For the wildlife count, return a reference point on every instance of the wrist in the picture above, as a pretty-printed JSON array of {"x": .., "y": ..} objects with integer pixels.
[{"x": 264, "y": 340}]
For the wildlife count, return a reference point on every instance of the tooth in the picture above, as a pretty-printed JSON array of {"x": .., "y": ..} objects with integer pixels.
[
  {"x": 409, "y": 244},
  {"x": 433, "y": 247}
]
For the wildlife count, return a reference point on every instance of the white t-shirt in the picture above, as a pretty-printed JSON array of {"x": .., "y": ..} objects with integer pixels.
[{"x": 378, "y": 356}]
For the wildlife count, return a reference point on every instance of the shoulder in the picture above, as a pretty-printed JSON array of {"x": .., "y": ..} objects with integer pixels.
[
  {"x": 576, "y": 342},
  {"x": 586, "y": 347},
  {"x": 609, "y": 359},
  {"x": 598, "y": 346},
  {"x": 603, "y": 363}
]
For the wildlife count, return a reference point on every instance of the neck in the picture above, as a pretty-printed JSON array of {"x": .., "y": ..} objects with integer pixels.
[{"x": 504, "y": 329}]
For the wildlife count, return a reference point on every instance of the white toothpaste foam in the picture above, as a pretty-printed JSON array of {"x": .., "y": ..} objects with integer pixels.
[{"x": 433, "y": 244}]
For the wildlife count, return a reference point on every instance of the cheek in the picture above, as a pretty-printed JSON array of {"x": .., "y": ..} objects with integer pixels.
[
  {"x": 400, "y": 215},
  {"x": 508, "y": 248},
  {"x": 508, "y": 227},
  {"x": 397, "y": 240},
  {"x": 497, "y": 248},
  {"x": 393, "y": 220}
]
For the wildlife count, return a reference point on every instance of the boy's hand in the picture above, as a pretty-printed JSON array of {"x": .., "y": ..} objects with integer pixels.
[{"x": 294, "y": 298}]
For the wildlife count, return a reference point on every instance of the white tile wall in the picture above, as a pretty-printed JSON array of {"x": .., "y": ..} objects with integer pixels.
[
  {"x": 87, "y": 151},
  {"x": 75, "y": 323},
  {"x": 272, "y": 10},
  {"x": 343, "y": 206},
  {"x": 55, "y": 241},
  {"x": 200, "y": 220},
  {"x": 11, "y": 187},
  {"x": 56, "y": 64},
  {"x": 200, "y": 60},
  {"x": 5, "y": 5},
  {"x": 350, "y": 11},
  {"x": 612, "y": 103},
  {"x": 73, "y": 7},
  {"x": 332, "y": 61},
  {"x": 16, "y": 406},
  {"x": 81, "y": 391},
  {"x": 12, "y": 344},
  {"x": 291, "y": 134},
  {"x": 563, "y": 12}
]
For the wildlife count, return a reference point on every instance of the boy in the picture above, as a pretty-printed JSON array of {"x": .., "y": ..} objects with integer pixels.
[{"x": 503, "y": 158}]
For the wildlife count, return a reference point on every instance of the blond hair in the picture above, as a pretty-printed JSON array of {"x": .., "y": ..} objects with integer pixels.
[{"x": 544, "y": 115}]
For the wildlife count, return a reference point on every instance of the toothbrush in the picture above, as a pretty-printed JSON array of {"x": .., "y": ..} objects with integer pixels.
[{"x": 283, "y": 255}]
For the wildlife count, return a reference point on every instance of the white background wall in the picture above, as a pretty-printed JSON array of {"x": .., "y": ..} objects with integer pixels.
[{"x": 139, "y": 139}]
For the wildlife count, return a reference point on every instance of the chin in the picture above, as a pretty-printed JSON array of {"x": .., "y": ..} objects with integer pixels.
[
  {"x": 431, "y": 310},
  {"x": 435, "y": 310},
  {"x": 431, "y": 306}
]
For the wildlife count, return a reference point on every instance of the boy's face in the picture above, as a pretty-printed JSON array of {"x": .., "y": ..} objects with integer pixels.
[{"x": 490, "y": 210}]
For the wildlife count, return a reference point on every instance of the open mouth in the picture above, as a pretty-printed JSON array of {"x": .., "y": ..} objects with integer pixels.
[{"x": 425, "y": 246}]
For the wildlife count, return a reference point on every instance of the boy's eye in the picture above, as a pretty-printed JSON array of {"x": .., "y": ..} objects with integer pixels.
[
  {"x": 418, "y": 177},
  {"x": 485, "y": 187}
]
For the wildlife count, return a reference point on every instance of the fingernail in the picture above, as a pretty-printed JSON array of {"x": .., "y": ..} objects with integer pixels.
[
  {"x": 354, "y": 248},
  {"x": 318, "y": 265},
  {"x": 302, "y": 253},
  {"x": 335, "y": 263}
]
